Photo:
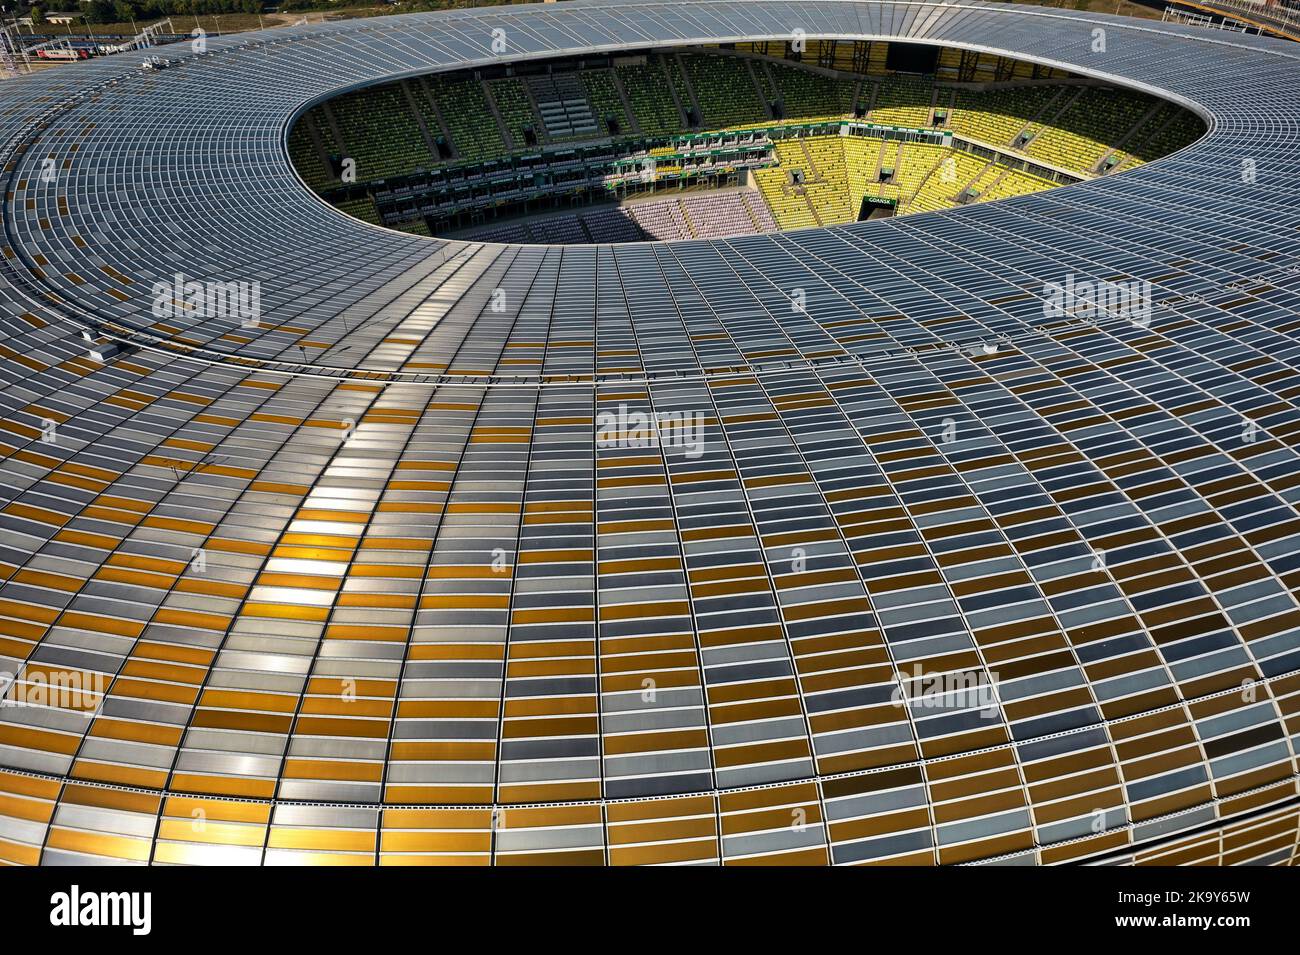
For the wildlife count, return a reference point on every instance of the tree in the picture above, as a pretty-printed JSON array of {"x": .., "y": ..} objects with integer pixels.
[
  {"x": 99, "y": 11},
  {"x": 38, "y": 17}
]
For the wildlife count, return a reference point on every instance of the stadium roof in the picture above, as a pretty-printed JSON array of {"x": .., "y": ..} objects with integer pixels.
[{"x": 880, "y": 401}]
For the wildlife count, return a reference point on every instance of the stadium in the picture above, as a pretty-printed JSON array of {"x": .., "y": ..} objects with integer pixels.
[{"x": 697, "y": 432}]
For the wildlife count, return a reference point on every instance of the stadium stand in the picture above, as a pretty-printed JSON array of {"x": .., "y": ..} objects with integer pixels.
[
  {"x": 324, "y": 126},
  {"x": 580, "y": 228},
  {"x": 516, "y": 111},
  {"x": 381, "y": 133},
  {"x": 826, "y": 188},
  {"x": 902, "y": 102},
  {"x": 606, "y": 104},
  {"x": 412, "y": 125},
  {"x": 613, "y": 225},
  {"x": 759, "y": 213},
  {"x": 714, "y": 215},
  {"x": 939, "y": 189},
  {"x": 996, "y": 116},
  {"x": 976, "y": 188},
  {"x": 462, "y": 104},
  {"x": 1159, "y": 139},
  {"x": 306, "y": 155},
  {"x": 656, "y": 113},
  {"x": 562, "y": 103},
  {"x": 790, "y": 208},
  {"x": 862, "y": 160},
  {"x": 415, "y": 226},
  {"x": 689, "y": 216},
  {"x": 811, "y": 96},
  {"x": 679, "y": 87},
  {"x": 1077, "y": 137},
  {"x": 724, "y": 90},
  {"x": 506, "y": 233},
  {"x": 917, "y": 162},
  {"x": 558, "y": 230},
  {"x": 1014, "y": 182},
  {"x": 660, "y": 220},
  {"x": 363, "y": 209}
]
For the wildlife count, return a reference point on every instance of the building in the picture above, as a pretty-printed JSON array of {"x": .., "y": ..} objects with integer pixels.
[{"x": 964, "y": 536}]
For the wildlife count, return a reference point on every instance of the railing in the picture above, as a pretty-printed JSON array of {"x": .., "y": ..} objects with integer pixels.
[
  {"x": 1276, "y": 19},
  {"x": 463, "y": 188},
  {"x": 150, "y": 34},
  {"x": 1284, "y": 17}
]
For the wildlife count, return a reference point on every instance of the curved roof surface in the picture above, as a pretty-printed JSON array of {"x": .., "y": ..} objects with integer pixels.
[{"x": 392, "y": 537}]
